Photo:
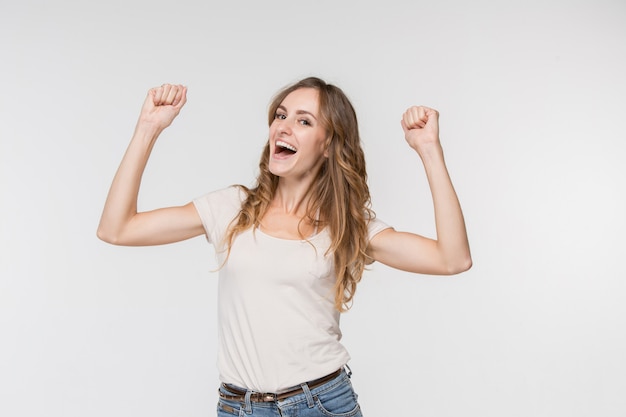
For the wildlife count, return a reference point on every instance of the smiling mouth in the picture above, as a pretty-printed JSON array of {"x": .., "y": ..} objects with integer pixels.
[{"x": 284, "y": 149}]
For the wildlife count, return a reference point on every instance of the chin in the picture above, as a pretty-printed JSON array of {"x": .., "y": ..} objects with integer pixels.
[{"x": 274, "y": 171}]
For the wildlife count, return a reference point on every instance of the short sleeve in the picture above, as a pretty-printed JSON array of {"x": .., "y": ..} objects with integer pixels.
[
  {"x": 376, "y": 226},
  {"x": 217, "y": 210}
]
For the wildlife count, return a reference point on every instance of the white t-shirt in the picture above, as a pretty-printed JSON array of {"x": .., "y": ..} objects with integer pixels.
[{"x": 278, "y": 326}]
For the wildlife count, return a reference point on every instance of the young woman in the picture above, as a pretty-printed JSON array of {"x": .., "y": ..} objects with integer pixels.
[{"x": 293, "y": 248}]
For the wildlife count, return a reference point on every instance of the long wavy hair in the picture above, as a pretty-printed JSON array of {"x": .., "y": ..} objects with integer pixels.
[{"x": 339, "y": 197}]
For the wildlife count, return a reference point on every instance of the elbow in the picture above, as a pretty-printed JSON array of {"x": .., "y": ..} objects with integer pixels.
[
  {"x": 106, "y": 236},
  {"x": 103, "y": 236},
  {"x": 460, "y": 266}
]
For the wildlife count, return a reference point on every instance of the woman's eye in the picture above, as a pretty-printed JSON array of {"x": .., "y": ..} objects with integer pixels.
[
  {"x": 305, "y": 122},
  {"x": 280, "y": 116}
]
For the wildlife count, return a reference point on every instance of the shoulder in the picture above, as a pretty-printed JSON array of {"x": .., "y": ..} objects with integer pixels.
[
  {"x": 233, "y": 195},
  {"x": 375, "y": 225},
  {"x": 220, "y": 205}
]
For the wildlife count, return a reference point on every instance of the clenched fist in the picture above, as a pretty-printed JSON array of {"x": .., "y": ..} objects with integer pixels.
[
  {"x": 421, "y": 127},
  {"x": 162, "y": 105}
]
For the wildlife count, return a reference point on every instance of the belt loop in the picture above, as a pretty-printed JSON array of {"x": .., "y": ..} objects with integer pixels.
[
  {"x": 349, "y": 371},
  {"x": 309, "y": 396},
  {"x": 248, "y": 402}
]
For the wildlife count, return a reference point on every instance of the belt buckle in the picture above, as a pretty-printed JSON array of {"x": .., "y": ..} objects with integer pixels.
[{"x": 268, "y": 397}]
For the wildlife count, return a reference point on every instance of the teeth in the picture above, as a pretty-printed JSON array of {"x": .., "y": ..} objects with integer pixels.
[{"x": 285, "y": 145}]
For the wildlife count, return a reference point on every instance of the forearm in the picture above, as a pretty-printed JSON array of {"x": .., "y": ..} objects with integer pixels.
[
  {"x": 449, "y": 253},
  {"x": 121, "y": 202},
  {"x": 452, "y": 241}
]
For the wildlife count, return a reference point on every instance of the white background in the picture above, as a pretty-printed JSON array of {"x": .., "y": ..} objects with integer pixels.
[{"x": 532, "y": 98}]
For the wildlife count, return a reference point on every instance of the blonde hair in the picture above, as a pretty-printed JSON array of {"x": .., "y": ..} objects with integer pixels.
[{"x": 339, "y": 198}]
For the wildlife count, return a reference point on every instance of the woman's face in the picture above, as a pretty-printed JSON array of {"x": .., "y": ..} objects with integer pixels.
[{"x": 297, "y": 137}]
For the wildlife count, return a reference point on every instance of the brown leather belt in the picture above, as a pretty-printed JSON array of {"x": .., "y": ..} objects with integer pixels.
[{"x": 265, "y": 397}]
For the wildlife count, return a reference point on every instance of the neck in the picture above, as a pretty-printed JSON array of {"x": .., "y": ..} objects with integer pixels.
[{"x": 291, "y": 197}]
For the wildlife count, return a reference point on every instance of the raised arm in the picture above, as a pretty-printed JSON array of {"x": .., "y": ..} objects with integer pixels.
[
  {"x": 449, "y": 253},
  {"x": 120, "y": 223}
]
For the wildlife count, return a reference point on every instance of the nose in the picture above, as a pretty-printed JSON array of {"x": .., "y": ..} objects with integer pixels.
[{"x": 284, "y": 126}]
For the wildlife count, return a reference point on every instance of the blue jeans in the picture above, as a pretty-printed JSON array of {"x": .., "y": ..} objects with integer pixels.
[{"x": 335, "y": 398}]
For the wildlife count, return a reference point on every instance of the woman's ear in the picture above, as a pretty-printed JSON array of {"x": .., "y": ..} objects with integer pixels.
[{"x": 327, "y": 149}]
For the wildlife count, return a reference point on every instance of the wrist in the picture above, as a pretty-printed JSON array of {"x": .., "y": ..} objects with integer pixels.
[
  {"x": 145, "y": 137},
  {"x": 430, "y": 152},
  {"x": 148, "y": 130}
]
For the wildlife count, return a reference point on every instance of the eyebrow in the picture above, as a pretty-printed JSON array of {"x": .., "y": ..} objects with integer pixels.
[{"x": 281, "y": 107}]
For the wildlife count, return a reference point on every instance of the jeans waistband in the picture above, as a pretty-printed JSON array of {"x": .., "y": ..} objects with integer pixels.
[{"x": 237, "y": 394}]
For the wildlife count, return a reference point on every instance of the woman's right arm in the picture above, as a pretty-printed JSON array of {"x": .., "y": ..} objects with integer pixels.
[{"x": 120, "y": 223}]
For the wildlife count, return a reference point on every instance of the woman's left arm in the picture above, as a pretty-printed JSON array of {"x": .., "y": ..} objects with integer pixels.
[{"x": 449, "y": 253}]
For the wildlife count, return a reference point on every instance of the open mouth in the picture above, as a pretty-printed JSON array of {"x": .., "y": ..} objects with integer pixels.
[{"x": 284, "y": 149}]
